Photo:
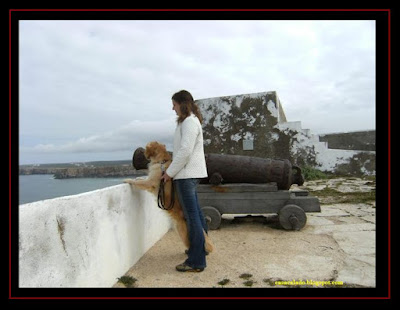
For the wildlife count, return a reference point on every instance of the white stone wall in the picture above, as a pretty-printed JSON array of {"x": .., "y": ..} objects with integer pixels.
[
  {"x": 231, "y": 122},
  {"x": 87, "y": 240},
  {"x": 326, "y": 159}
]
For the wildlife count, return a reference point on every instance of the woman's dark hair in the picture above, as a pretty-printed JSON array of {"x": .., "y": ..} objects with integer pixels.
[{"x": 187, "y": 105}]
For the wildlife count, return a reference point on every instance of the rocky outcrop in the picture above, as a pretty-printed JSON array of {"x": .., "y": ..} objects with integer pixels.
[
  {"x": 96, "y": 172},
  {"x": 356, "y": 140},
  {"x": 84, "y": 172},
  {"x": 30, "y": 170}
]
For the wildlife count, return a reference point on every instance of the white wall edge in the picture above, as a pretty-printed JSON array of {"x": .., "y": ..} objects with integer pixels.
[{"x": 87, "y": 240}]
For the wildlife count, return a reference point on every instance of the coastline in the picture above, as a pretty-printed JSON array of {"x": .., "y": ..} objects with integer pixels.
[{"x": 83, "y": 171}]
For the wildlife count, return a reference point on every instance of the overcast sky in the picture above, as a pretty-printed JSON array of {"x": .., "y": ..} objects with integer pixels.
[{"x": 97, "y": 90}]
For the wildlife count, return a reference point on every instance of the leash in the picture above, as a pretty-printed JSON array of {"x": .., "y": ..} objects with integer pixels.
[{"x": 161, "y": 192}]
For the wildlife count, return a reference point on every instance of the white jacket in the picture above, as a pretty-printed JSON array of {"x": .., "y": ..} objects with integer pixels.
[{"x": 188, "y": 157}]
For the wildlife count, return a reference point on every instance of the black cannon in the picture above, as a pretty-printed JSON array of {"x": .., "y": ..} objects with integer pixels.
[
  {"x": 139, "y": 161},
  {"x": 250, "y": 185},
  {"x": 226, "y": 169}
]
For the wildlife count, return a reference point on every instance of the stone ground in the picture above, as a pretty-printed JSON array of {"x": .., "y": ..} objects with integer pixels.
[{"x": 335, "y": 248}]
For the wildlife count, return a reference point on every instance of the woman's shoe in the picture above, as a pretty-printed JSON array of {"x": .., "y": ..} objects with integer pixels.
[{"x": 185, "y": 268}]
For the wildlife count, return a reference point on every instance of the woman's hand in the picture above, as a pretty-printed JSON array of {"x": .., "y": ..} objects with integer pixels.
[{"x": 165, "y": 177}]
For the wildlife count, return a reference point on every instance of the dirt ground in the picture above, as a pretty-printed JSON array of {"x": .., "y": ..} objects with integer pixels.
[{"x": 335, "y": 248}]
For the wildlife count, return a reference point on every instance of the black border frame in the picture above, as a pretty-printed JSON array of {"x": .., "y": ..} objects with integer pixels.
[{"x": 383, "y": 131}]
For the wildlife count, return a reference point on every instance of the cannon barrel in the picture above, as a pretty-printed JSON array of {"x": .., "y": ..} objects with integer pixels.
[
  {"x": 139, "y": 161},
  {"x": 240, "y": 169},
  {"x": 248, "y": 169}
]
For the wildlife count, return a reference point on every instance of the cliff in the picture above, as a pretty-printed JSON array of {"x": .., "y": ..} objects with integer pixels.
[
  {"x": 30, "y": 170},
  {"x": 96, "y": 172},
  {"x": 84, "y": 172}
]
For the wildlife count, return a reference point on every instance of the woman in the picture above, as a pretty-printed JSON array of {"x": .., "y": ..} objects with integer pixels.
[{"x": 187, "y": 167}]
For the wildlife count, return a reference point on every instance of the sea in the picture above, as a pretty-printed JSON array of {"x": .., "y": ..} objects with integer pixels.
[{"x": 43, "y": 186}]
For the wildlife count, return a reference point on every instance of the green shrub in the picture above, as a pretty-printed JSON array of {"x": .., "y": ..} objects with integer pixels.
[
  {"x": 224, "y": 282},
  {"x": 310, "y": 173},
  {"x": 128, "y": 281}
]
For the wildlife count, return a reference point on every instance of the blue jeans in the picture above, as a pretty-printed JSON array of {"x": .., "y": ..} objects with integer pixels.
[{"x": 187, "y": 195}]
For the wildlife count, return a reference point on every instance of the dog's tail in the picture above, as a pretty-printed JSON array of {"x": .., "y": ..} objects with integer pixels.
[{"x": 208, "y": 244}]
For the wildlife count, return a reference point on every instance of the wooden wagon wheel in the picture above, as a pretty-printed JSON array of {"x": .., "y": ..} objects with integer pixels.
[
  {"x": 212, "y": 216},
  {"x": 292, "y": 217}
]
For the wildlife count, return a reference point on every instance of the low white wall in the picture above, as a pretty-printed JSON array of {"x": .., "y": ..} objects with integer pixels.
[{"x": 87, "y": 240}]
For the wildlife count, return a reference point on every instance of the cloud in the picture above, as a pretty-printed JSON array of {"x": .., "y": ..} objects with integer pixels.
[
  {"x": 125, "y": 138},
  {"x": 103, "y": 86}
]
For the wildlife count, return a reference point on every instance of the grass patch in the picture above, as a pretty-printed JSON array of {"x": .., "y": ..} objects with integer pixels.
[
  {"x": 310, "y": 173},
  {"x": 248, "y": 283},
  {"x": 370, "y": 178},
  {"x": 245, "y": 276},
  {"x": 128, "y": 281},
  {"x": 224, "y": 282},
  {"x": 330, "y": 195},
  {"x": 271, "y": 282}
]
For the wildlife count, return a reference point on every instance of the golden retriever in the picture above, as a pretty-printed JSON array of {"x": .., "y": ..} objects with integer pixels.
[{"x": 157, "y": 154}]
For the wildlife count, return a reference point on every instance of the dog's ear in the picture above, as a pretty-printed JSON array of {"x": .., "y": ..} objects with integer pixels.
[
  {"x": 164, "y": 154},
  {"x": 150, "y": 150},
  {"x": 159, "y": 151}
]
